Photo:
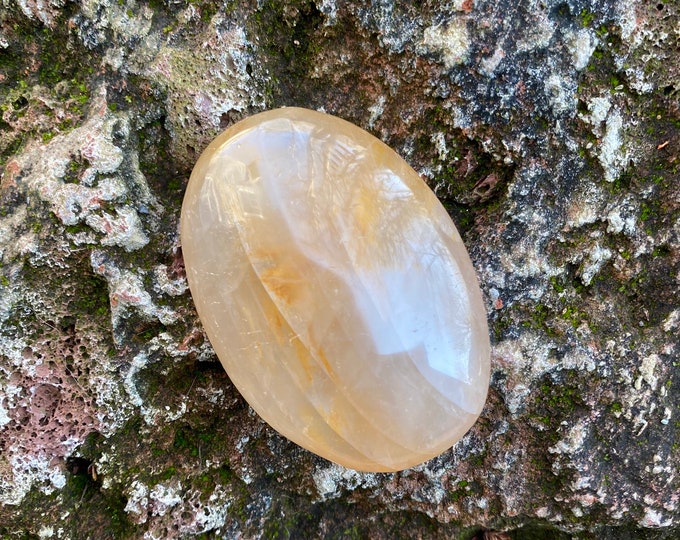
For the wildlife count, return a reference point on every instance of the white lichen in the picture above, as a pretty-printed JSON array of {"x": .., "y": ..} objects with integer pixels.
[
  {"x": 672, "y": 321},
  {"x": 124, "y": 230},
  {"x": 164, "y": 285},
  {"x": 331, "y": 479},
  {"x": 450, "y": 41},
  {"x": 46, "y": 531},
  {"x": 439, "y": 141},
  {"x": 330, "y": 11},
  {"x": 622, "y": 218},
  {"x": 596, "y": 257},
  {"x": 561, "y": 93},
  {"x": 647, "y": 369},
  {"x": 163, "y": 497},
  {"x": 581, "y": 45},
  {"x": 611, "y": 154},
  {"x": 654, "y": 518},
  {"x": 26, "y": 472},
  {"x": 137, "y": 501},
  {"x": 489, "y": 64},
  {"x": 585, "y": 207},
  {"x": 103, "y": 181},
  {"x": 127, "y": 292},
  {"x": 4, "y": 416},
  {"x": 572, "y": 443},
  {"x": 376, "y": 111}
]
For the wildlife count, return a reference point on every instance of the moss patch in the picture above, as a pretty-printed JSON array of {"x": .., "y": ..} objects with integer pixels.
[{"x": 52, "y": 75}]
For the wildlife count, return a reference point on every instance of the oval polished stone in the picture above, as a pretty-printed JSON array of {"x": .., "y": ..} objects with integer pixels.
[{"x": 336, "y": 290}]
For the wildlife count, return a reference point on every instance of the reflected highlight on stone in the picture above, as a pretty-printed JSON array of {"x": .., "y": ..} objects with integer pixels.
[{"x": 335, "y": 290}]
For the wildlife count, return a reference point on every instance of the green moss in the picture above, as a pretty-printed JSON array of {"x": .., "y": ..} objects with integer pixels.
[
  {"x": 555, "y": 400},
  {"x": 59, "y": 68},
  {"x": 572, "y": 315},
  {"x": 557, "y": 285},
  {"x": 463, "y": 489},
  {"x": 646, "y": 211},
  {"x": 501, "y": 325},
  {"x": 120, "y": 525},
  {"x": 562, "y": 399},
  {"x": 168, "y": 473},
  {"x": 587, "y": 18},
  {"x": 541, "y": 318},
  {"x": 185, "y": 441},
  {"x": 104, "y": 510},
  {"x": 93, "y": 299},
  {"x": 287, "y": 34},
  {"x": 289, "y": 517},
  {"x": 157, "y": 164}
]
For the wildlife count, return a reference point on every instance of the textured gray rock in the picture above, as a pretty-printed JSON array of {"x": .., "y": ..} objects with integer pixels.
[{"x": 550, "y": 130}]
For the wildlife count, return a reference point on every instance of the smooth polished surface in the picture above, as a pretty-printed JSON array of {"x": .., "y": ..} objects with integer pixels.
[{"x": 335, "y": 290}]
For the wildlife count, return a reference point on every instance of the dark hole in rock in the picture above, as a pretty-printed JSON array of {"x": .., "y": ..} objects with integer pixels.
[
  {"x": 228, "y": 118},
  {"x": 203, "y": 366},
  {"x": 78, "y": 465},
  {"x": 67, "y": 324},
  {"x": 20, "y": 102}
]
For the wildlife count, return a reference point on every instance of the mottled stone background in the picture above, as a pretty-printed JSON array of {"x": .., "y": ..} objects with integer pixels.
[{"x": 549, "y": 129}]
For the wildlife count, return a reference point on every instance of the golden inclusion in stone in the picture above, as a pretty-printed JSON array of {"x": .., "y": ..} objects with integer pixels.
[{"x": 335, "y": 290}]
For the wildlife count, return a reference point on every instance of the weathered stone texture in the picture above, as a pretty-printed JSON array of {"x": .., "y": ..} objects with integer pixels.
[{"x": 549, "y": 130}]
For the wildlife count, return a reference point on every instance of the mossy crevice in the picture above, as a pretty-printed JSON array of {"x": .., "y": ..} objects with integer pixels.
[
  {"x": 52, "y": 73},
  {"x": 289, "y": 35}
]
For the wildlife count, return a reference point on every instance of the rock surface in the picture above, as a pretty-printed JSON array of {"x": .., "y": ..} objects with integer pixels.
[{"x": 550, "y": 132}]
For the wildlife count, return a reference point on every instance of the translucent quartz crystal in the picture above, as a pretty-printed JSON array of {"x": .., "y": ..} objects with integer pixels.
[{"x": 335, "y": 290}]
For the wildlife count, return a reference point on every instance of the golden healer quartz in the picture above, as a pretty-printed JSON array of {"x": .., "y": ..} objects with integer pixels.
[{"x": 335, "y": 290}]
